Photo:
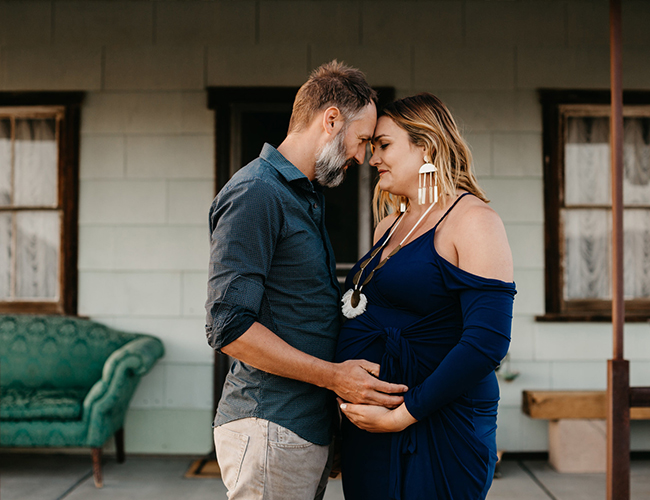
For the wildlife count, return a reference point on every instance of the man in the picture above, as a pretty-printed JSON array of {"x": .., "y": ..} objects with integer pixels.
[{"x": 273, "y": 298}]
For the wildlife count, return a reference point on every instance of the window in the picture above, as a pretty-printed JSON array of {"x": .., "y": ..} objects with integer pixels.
[
  {"x": 577, "y": 183},
  {"x": 39, "y": 135}
]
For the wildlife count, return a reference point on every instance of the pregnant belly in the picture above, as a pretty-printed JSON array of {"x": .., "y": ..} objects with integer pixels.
[
  {"x": 361, "y": 338},
  {"x": 353, "y": 345}
]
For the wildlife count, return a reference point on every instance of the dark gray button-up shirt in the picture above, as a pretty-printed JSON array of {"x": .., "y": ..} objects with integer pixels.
[{"x": 271, "y": 261}]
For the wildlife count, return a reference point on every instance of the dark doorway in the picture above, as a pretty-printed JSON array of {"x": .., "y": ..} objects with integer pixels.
[{"x": 246, "y": 118}]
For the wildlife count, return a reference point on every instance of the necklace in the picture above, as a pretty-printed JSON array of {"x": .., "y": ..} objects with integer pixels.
[{"x": 354, "y": 302}]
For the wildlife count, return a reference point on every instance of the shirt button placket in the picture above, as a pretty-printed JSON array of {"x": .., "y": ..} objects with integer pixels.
[{"x": 315, "y": 207}]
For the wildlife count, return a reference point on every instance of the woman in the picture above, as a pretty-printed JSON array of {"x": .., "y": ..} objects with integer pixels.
[{"x": 432, "y": 304}]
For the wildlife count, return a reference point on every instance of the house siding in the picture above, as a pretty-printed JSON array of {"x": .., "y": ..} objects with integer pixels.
[{"x": 147, "y": 156}]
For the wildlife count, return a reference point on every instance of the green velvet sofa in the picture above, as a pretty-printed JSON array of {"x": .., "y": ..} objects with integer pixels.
[{"x": 67, "y": 381}]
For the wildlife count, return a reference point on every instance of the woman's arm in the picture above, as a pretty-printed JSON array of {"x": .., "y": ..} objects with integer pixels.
[
  {"x": 377, "y": 418},
  {"x": 483, "y": 250},
  {"x": 482, "y": 244}
]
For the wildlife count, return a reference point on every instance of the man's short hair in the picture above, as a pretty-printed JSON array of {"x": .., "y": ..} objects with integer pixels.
[{"x": 332, "y": 84}]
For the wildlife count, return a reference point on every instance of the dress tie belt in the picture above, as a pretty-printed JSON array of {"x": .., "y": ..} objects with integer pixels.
[{"x": 399, "y": 365}]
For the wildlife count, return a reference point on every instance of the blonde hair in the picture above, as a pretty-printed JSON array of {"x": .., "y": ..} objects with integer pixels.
[
  {"x": 429, "y": 124},
  {"x": 331, "y": 84}
]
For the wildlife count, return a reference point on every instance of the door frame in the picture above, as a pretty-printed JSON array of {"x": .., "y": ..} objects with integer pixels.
[{"x": 222, "y": 100}]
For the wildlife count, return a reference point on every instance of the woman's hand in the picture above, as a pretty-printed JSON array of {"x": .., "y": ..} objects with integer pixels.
[{"x": 377, "y": 418}]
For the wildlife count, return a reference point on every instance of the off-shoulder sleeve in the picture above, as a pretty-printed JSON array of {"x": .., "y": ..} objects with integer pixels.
[{"x": 487, "y": 321}]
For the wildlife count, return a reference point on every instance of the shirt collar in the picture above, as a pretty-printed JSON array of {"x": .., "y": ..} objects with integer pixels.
[{"x": 287, "y": 169}]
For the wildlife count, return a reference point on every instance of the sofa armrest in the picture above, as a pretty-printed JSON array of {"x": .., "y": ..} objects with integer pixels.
[
  {"x": 146, "y": 350},
  {"x": 136, "y": 357},
  {"x": 105, "y": 405}
]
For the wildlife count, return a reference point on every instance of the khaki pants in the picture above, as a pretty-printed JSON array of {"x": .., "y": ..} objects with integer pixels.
[{"x": 261, "y": 460}]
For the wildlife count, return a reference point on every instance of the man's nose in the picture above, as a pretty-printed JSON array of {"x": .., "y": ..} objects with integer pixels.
[{"x": 361, "y": 155}]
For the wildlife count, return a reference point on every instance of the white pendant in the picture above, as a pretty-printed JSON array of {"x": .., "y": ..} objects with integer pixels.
[{"x": 350, "y": 311}]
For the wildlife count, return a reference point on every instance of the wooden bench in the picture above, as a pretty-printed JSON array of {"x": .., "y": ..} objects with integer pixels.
[{"x": 577, "y": 431}]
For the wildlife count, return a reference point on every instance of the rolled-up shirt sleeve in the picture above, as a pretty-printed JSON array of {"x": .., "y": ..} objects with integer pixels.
[{"x": 246, "y": 221}]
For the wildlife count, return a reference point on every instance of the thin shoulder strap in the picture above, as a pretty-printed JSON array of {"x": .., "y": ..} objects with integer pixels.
[
  {"x": 451, "y": 208},
  {"x": 390, "y": 228}
]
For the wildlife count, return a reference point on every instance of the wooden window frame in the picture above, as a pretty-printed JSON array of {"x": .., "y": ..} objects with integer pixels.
[
  {"x": 68, "y": 104},
  {"x": 557, "y": 309}
]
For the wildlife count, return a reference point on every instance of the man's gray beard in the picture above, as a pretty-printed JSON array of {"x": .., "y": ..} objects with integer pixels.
[{"x": 331, "y": 162}]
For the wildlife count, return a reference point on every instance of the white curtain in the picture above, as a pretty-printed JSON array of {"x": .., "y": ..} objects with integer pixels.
[
  {"x": 5, "y": 255},
  {"x": 586, "y": 162},
  {"x": 5, "y": 162},
  {"x": 36, "y": 176},
  {"x": 636, "y": 253},
  {"x": 37, "y": 254},
  {"x": 587, "y": 254},
  {"x": 587, "y": 231},
  {"x": 636, "y": 162},
  {"x": 32, "y": 181},
  {"x": 5, "y": 217}
]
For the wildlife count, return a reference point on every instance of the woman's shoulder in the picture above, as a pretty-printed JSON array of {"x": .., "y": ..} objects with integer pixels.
[
  {"x": 479, "y": 217},
  {"x": 383, "y": 226},
  {"x": 481, "y": 241}
]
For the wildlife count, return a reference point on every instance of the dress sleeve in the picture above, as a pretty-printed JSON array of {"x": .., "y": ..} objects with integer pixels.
[
  {"x": 487, "y": 321},
  {"x": 246, "y": 220}
]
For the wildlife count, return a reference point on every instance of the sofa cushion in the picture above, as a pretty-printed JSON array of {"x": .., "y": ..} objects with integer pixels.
[
  {"x": 55, "y": 351},
  {"x": 41, "y": 404}
]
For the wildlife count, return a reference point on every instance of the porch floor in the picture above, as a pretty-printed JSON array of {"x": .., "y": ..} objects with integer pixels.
[{"x": 69, "y": 477}]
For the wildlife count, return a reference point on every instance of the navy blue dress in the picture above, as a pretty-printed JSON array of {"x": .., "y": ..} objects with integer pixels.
[{"x": 441, "y": 331}]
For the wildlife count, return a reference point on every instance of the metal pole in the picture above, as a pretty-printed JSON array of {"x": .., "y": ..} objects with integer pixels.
[
  {"x": 618, "y": 386},
  {"x": 618, "y": 430},
  {"x": 616, "y": 145}
]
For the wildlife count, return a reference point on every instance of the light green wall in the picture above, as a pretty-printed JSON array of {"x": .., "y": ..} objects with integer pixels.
[
  {"x": 168, "y": 431},
  {"x": 147, "y": 156}
]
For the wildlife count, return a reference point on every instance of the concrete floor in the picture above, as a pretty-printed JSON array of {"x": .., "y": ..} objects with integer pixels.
[{"x": 69, "y": 477}]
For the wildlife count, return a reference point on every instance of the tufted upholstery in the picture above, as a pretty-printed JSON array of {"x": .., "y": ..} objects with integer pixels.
[
  {"x": 67, "y": 381},
  {"x": 55, "y": 351},
  {"x": 41, "y": 404}
]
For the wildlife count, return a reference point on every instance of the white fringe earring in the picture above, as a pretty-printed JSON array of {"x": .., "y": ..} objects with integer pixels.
[{"x": 427, "y": 183}]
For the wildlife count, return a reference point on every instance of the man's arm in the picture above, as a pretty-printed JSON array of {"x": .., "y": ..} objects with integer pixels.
[
  {"x": 353, "y": 380},
  {"x": 245, "y": 225}
]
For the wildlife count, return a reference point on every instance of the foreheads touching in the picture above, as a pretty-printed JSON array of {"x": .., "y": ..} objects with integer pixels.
[
  {"x": 332, "y": 85},
  {"x": 429, "y": 124},
  {"x": 424, "y": 117}
]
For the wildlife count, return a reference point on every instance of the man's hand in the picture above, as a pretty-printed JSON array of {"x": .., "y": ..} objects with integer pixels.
[
  {"x": 377, "y": 418},
  {"x": 356, "y": 381}
]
